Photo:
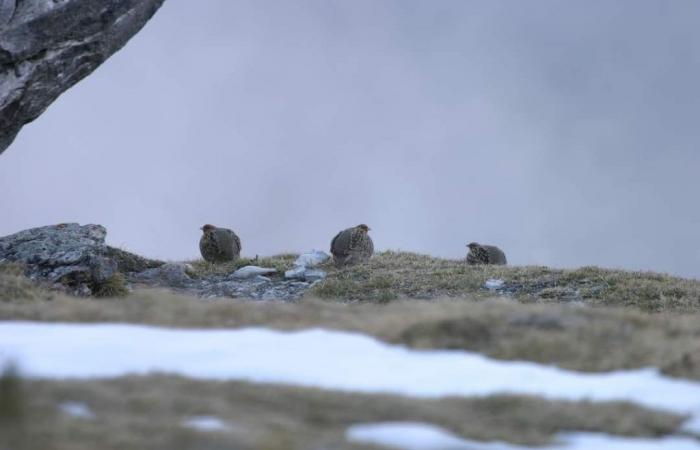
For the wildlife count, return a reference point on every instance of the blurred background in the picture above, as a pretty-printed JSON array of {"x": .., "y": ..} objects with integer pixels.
[{"x": 566, "y": 133}]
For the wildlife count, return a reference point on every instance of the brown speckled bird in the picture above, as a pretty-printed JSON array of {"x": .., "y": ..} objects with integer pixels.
[
  {"x": 485, "y": 254},
  {"x": 352, "y": 246},
  {"x": 219, "y": 245}
]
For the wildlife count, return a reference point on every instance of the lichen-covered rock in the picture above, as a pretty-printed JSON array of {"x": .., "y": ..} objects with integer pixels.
[
  {"x": 48, "y": 46},
  {"x": 49, "y": 250},
  {"x": 71, "y": 255}
]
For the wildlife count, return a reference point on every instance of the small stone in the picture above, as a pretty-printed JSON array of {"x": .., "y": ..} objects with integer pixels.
[
  {"x": 311, "y": 259},
  {"x": 296, "y": 273},
  {"x": 492, "y": 284},
  {"x": 77, "y": 410},
  {"x": 252, "y": 272}
]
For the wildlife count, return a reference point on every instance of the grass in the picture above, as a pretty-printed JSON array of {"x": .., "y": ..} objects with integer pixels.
[
  {"x": 15, "y": 287},
  {"x": 13, "y": 405},
  {"x": 589, "y": 339},
  {"x": 147, "y": 412},
  {"x": 588, "y": 319},
  {"x": 281, "y": 262},
  {"x": 115, "y": 286},
  {"x": 400, "y": 275}
]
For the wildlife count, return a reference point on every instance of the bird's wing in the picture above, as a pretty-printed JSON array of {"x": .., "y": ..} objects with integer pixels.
[
  {"x": 338, "y": 245},
  {"x": 237, "y": 240}
]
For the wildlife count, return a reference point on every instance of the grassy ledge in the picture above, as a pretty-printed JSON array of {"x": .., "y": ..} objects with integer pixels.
[{"x": 399, "y": 275}]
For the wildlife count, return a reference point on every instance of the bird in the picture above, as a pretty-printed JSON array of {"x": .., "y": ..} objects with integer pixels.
[
  {"x": 219, "y": 245},
  {"x": 352, "y": 246},
  {"x": 485, "y": 254}
]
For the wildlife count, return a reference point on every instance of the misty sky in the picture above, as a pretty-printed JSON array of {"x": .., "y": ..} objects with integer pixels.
[{"x": 567, "y": 133}]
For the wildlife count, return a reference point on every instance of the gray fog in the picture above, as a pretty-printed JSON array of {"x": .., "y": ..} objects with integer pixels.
[{"x": 567, "y": 133}]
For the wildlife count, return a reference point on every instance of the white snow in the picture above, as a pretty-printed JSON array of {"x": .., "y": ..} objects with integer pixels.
[
  {"x": 76, "y": 409},
  {"x": 423, "y": 436},
  {"x": 320, "y": 358},
  {"x": 205, "y": 423}
]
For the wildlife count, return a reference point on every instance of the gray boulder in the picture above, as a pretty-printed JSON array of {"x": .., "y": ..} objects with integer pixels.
[
  {"x": 48, "y": 46},
  {"x": 71, "y": 255}
]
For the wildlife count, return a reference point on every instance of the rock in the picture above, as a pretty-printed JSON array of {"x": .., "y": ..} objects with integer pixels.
[
  {"x": 68, "y": 256},
  {"x": 102, "y": 268},
  {"x": 252, "y": 272},
  {"x": 313, "y": 275},
  {"x": 296, "y": 273},
  {"x": 48, "y": 46},
  {"x": 305, "y": 274},
  {"x": 304, "y": 267},
  {"x": 312, "y": 259},
  {"x": 66, "y": 253},
  {"x": 168, "y": 275}
]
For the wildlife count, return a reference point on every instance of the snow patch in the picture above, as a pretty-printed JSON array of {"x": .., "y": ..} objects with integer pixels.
[
  {"x": 423, "y": 436},
  {"x": 205, "y": 423},
  {"x": 350, "y": 362}
]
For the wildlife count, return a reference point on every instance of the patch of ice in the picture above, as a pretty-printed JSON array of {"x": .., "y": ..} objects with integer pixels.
[
  {"x": 351, "y": 362},
  {"x": 252, "y": 272},
  {"x": 76, "y": 409},
  {"x": 205, "y": 423},
  {"x": 493, "y": 284},
  {"x": 423, "y": 436}
]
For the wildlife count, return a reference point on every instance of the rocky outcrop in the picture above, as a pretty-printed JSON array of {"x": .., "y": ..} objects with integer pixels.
[
  {"x": 48, "y": 46},
  {"x": 67, "y": 255},
  {"x": 75, "y": 258}
]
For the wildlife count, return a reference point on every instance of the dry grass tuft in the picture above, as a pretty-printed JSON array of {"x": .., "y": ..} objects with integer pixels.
[
  {"x": 15, "y": 287},
  {"x": 116, "y": 286}
]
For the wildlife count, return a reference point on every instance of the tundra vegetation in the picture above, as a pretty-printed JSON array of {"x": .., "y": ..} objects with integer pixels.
[{"x": 588, "y": 319}]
